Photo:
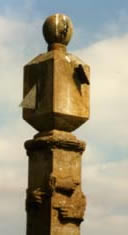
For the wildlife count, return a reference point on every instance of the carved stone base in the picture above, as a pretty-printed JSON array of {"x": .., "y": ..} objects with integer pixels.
[{"x": 55, "y": 203}]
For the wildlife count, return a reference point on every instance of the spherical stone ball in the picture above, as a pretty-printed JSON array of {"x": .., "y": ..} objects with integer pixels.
[{"x": 58, "y": 28}]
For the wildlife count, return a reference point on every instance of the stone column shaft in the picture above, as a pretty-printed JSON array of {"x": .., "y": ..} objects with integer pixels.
[{"x": 55, "y": 203}]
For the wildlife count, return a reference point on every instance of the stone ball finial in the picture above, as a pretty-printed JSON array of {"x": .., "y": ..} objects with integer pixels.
[{"x": 58, "y": 28}]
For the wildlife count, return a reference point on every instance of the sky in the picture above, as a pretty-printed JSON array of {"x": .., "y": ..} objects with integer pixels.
[{"x": 101, "y": 40}]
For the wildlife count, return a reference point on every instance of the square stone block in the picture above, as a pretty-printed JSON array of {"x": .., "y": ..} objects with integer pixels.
[{"x": 56, "y": 92}]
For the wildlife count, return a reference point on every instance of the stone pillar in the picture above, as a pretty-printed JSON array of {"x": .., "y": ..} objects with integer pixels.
[
  {"x": 56, "y": 102},
  {"x": 55, "y": 203}
]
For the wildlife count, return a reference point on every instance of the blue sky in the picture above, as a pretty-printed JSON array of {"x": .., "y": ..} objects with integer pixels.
[
  {"x": 101, "y": 40},
  {"x": 89, "y": 16}
]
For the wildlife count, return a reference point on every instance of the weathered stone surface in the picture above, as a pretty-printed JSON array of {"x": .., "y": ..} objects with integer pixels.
[
  {"x": 54, "y": 195},
  {"x": 62, "y": 91},
  {"x": 55, "y": 139},
  {"x": 55, "y": 102}
]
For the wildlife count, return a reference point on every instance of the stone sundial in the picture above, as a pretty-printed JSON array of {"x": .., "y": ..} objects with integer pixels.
[{"x": 55, "y": 103}]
